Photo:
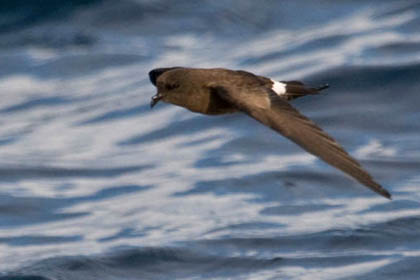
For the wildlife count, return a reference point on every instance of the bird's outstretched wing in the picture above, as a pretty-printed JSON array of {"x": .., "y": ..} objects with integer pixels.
[{"x": 265, "y": 106}]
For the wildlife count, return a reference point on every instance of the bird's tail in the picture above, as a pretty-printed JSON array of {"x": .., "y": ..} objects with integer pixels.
[{"x": 296, "y": 89}]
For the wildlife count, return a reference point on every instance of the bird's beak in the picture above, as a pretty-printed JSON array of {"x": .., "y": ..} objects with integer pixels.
[{"x": 155, "y": 99}]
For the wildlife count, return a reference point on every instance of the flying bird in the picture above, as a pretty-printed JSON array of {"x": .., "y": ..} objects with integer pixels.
[{"x": 220, "y": 91}]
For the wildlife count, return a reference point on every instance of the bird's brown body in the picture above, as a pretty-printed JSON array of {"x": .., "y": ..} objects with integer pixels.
[
  {"x": 198, "y": 96},
  {"x": 220, "y": 91}
]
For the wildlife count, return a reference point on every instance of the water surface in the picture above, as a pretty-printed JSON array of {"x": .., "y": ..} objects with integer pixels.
[{"x": 95, "y": 185}]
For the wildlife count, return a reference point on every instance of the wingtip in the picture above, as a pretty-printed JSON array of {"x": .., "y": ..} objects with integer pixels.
[
  {"x": 382, "y": 191},
  {"x": 387, "y": 194}
]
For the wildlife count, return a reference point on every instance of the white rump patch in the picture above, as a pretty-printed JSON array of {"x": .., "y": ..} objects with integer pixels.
[{"x": 278, "y": 87}]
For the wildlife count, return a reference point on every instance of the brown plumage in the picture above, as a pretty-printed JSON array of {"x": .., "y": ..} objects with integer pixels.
[{"x": 220, "y": 91}]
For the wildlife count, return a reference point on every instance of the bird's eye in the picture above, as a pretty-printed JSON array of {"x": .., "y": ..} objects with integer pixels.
[{"x": 171, "y": 86}]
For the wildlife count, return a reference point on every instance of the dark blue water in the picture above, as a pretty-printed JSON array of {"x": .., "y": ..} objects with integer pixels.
[{"x": 95, "y": 185}]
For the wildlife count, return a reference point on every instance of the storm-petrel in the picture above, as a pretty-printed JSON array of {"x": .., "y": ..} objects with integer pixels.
[{"x": 219, "y": 91}]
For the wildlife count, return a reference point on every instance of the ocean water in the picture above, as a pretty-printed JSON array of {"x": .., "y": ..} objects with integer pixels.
[{"x": 96, "y": 185}]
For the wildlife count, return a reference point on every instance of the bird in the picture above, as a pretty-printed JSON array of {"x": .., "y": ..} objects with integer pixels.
[{"x": 216, "y": 91}]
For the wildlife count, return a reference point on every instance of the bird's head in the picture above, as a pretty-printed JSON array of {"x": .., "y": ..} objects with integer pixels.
[{"x": 168, "y": 83}]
